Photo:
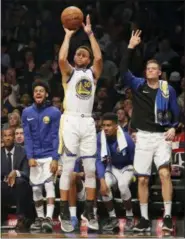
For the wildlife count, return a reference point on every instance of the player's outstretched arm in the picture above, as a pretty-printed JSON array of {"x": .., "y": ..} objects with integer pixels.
[
  {"x": 65, "y": 68},
  {"x": 97, "y": 62},
  {"x": 128, "y": 78}
]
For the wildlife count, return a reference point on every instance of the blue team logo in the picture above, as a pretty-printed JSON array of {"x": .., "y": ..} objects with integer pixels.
[{"x": 84, "y": 89}]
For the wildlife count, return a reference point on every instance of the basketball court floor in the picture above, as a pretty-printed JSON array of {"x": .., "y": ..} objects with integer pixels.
[
  {"x": 13, "y": 234},
  {"x": 156, "y": 232}
]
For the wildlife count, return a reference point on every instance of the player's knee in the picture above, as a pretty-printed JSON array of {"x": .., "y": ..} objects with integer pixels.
[
  {"x": 108, "y": 197},
  {"x": 164, "y": 174},
  {"x": 50, "y": 190},
  {"x": 125, "y": 193},
  {"x": 37, "y": 193},
  {"x": 143, "y": 181},
  {"x": 64, "y": 183},
  {"x": 90, "y": 179},
  {"x": 122, "y": 187},
  {"x": 90, "y": 170}
]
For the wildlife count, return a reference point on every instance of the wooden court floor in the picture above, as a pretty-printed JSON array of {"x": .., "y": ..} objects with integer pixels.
[{"x": 14, "y": 234}]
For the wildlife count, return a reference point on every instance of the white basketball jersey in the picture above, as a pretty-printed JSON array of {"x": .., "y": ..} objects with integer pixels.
[{"x": 80, "y": 91}]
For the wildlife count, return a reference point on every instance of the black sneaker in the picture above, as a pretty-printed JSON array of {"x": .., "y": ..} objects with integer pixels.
[
  {"x": 47, "y": 225},
  {"x": 37, "y": 225},
  {"x": 142, "y": 226},
  {"x": 89, "y": 216},
  {"x": 167, "y": 224},
  {"x": 111, "y": 224}
]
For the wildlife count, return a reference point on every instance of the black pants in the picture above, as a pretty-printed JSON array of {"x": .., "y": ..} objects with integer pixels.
[{"x": 19, "y": 195}]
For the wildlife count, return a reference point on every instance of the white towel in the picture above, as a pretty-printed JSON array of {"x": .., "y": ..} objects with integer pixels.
[{"x": 122, "y": 143}]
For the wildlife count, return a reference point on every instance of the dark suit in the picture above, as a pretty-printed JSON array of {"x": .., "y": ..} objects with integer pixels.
[{"x": 20, "y": 194}]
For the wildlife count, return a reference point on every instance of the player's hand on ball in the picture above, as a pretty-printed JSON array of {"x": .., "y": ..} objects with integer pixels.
[
  {"x": 87, "y": 28},
  {"x": 53, "y": 166},
  {"x": 135, "y": 39},
  {"x": 69, "y": 32},
  {"x": 32, "y": 163},
  {"x": 170, "y": 134}
]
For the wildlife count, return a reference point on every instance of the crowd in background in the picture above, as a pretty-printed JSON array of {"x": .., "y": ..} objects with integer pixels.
[{"x": 32, "y": 34}]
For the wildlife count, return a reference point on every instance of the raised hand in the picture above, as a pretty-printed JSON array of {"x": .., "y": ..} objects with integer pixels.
[
  {"x": 87, "y": 28},
  {"x": 135, "y": 39},
  {"x": 69, "y": 32}
]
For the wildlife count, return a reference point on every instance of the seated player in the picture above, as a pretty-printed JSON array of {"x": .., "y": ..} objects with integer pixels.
[{"x": 114, "y": 166}]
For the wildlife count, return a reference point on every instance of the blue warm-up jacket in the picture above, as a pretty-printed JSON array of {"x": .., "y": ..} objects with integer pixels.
[{"x": 41, "y": 127}]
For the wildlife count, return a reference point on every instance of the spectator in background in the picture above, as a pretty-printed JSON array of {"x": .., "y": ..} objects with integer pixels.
[
  {"x": 14, "y": 121},
  {"x": 127, "y": 105},
  {"x": 8, "y": 98},
  {"x": 10, "y": 78},
  {"x": 15, "y": 188},
  {"x": 128, "y": 94},
  {"x": 110, "y": 69},
  {"x": 98, "y": 122},
  {"x": 180, "y": 99},
  {"x": 102, "y": 103},
  {"x": 4, "y": 116},
  {"x": 19, "y": 136},
  {"x": 55, "y": 82},
  {"x": 165, "y": 53},
  {"x": 25, "y": 102},
  {"x": 122, "y": 119},
  {"x": 57, "y": 102},
  {"x": 119, "y": 104},
  {"x": 5, "y": 58}
]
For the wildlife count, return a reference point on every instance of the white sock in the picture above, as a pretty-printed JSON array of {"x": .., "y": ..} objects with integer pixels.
[
  {"x": 50, "y": 210},
  {"x": 167, "y": 208},
  {"x": 40, "y": 211},
  {"x": 72, "y": 211},
  {"x": 129, "y": 213},
  {"x": 144, "y": 210},
  {"x": 112, "y": 213}
]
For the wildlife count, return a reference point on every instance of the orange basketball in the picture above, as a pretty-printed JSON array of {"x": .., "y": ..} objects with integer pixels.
[{"x": 72, "y": 18}]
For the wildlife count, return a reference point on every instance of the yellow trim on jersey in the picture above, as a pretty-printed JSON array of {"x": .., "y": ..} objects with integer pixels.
[
  {"x": 64, "y": 84},
  {"x": 60, "y": 132}
]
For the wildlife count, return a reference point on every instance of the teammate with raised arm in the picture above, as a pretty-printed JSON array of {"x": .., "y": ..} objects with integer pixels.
[
  {"x": 77, "y": 127},
  {"x": 155, "y": 117}
]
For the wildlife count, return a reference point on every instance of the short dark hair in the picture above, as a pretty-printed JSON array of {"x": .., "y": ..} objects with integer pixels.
[
  {"x": 87, "y": 48},
  {"x": 110, "y": 116},
  {"x": 153, "y": 61},
  {"x": 41, "y": 83}
]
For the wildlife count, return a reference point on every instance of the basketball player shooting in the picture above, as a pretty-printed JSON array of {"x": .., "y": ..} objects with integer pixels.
[{"x": 77, "y": 127}]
